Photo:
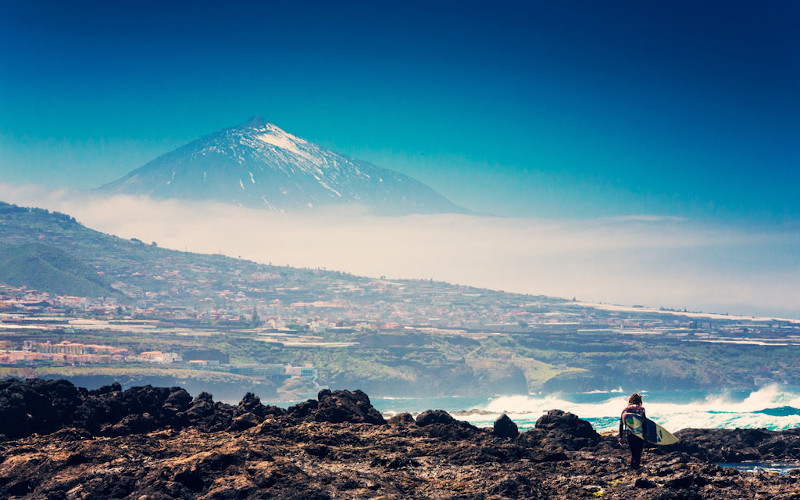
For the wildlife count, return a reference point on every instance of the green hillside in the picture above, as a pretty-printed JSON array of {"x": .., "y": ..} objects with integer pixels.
[
  {"x": 139, "y": 270},
  {"x": 49, "y": 269}
]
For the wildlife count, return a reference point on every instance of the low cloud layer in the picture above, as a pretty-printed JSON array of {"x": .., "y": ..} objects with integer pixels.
[{"x": 649, "y": 260}]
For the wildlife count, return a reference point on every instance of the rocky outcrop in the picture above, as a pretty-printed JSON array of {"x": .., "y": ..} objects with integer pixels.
[
  {"x": 429, "y": 417},
  {"x": 402, "y": 420},
  {"x": 737, "y": 445},
  {"x": 505, "y": 427},
  {"x": 45, "y": 406},
  {"x": 173, "y": 446},
  {"x": 345, "y": 406},
  {"x": 562, "y": 431}
]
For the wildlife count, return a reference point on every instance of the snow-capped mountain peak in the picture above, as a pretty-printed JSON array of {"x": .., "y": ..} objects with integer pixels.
[{"x": 258, "y": 164}]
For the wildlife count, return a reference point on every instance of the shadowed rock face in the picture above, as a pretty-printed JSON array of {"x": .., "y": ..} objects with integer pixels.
[
  {"x": 345, "y": 406},
  {"x": 160, "y": 443},
  {"x": 729, "y": 445},
  {"x": 505, "y": 427},
  {"x": 45, "y": 406},
  {"x": 429, "y": 417}
]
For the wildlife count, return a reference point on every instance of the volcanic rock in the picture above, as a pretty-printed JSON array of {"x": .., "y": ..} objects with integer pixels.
[
  {"x": 736, "y": 445},
  {"x": 563, "y": 430},
  {"x": 429, "y": 417},
  {"x": 204, "y": 449},
  {"x": 345, "y": 406},
  {"x": 505, "y": 427},
  {"x": 402, "y": 420}
]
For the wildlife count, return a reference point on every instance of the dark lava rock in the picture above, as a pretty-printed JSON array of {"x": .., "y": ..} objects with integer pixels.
[
  {"x": 46, "y": 406},
  {"x": 302, "y": 455},
  {"x": 206, "y": 415},
  {"x": 19, "y": 488},
  {"x": 396, "y": 462},
  {"x": 441, "y": 425},
  {"x": 401, "y": 420},
  {"x": 517, "y": 486},
  {"x": 160, "y": 443},
  {"x": 345, "y": 406},
  {"x": 191, "y": 478},
  {"x": 643, "y": 482},
  {"x": 487, "y": 454},
  {"x": 317, "y": 450},
  {"x": 36, "y": 405},
  {"x": 505, "y": 427},
  {"x": 558, "y": 420},
  {"x": 563, "y": 430},
  {"x": 251, "y": 403},
  {"x": 680, "y": 481},
  {"x": 244, "y": 421},
  {"x": 131, "y": 424},
  {"x": 303, "y": 410},
  {"x": 737, "y": 445},
  {"x": 178, "y": 400},
  {"x": 677, "y": 495},
  {"x": 558, "y": 456},
  {"x": 429, "y": 417}
]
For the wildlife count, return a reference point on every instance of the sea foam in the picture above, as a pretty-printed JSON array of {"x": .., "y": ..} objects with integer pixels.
[{"x": 771, "y": 407}]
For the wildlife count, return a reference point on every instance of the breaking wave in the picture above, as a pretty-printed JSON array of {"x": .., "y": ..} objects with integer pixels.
[{"x": 772, "y": 407}]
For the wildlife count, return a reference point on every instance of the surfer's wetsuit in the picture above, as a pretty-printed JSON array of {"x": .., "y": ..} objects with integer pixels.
[{"x": 635, "y": 443}]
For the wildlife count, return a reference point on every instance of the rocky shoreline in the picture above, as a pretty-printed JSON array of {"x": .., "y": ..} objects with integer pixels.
[{"x": 63, "y": 442}]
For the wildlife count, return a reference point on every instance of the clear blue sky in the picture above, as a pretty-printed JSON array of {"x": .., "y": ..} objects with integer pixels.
[{"x": 531, "y": 108}]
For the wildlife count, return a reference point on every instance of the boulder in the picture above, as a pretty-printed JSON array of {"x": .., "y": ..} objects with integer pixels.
[
  {"x": 345, "y": 406},
  {"x": 429, "y": 417},
  {"x": 401, "y": 420},
  {"x": 505, "y": 427},
  {"x": 36, "y": 405},
  {"x": 565, "y": 431},
  {"x": 206, "y": 415},
  {"x": 178, "y": 400},
  {"x": 244, "y": 421},
  {"x": 303, "y": 410},
  {"x": 250, "y": 403}
]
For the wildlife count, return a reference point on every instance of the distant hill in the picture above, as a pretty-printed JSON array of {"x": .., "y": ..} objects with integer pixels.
[
  {"x": 138, "y": 270},
  {"x": 49, "y": 269},
  {"x": 258, "y": 165}
]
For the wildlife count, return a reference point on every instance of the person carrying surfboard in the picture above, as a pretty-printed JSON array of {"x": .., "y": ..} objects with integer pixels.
[{"x": 635, "y": 443}]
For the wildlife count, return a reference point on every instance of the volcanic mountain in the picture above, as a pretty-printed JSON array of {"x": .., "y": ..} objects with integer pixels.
[{"x": 258, "y": 165}]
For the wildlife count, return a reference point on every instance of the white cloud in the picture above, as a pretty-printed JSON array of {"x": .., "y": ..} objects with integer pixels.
[{"x": 657, "y": 261}]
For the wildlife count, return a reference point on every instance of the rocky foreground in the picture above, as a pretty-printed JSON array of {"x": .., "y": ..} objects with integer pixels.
[{"x": 62, "y": 442}]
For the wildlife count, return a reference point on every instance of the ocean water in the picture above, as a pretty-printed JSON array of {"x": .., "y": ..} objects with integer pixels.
[
  {"x": 773, "y": 467},
  {"x": 772, "y": 407}
]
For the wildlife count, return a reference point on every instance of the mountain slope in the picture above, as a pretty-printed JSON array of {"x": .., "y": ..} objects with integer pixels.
[
  {"x": 258, "y": 165},
  {"x": 51, "y": 270}
]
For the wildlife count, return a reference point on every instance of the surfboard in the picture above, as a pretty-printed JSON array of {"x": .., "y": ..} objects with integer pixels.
[{"x": 653, "y": 433}]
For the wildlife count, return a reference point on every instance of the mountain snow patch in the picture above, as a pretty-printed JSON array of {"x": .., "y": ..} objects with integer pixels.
[{"x": 284, "y": 141}]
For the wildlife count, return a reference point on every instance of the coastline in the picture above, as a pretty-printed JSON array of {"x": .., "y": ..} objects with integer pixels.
[{"x": 154, "y": 443}]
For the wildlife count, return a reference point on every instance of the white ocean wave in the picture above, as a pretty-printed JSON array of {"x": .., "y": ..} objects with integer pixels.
[
  {"x": 618, "y": 389},
  {"x": 760, "y": 409}
]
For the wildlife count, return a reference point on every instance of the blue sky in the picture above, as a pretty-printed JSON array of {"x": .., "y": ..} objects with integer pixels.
[{"x": 534, "y": 109}]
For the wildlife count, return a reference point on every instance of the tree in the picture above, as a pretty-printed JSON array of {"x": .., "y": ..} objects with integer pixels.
[{"x": 254, "y": 319}]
